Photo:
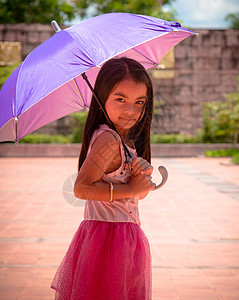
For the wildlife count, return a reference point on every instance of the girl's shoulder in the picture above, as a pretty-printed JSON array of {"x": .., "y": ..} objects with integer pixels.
[
  {"x": 105, "y": 128},
  {"x": 105, "y": 136}
]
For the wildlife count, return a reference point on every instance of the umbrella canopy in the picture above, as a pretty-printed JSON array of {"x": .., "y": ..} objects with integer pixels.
[{"x": 48, "y": 84}]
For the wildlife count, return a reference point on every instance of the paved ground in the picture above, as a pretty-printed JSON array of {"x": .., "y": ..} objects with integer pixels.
[{"x": 192, "y": 224}]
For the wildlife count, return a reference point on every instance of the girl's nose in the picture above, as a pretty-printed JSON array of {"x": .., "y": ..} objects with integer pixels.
[{"x": 129, "y": 109}]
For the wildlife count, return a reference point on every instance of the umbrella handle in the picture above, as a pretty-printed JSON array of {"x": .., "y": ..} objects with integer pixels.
[{"x": 164, "y": 173}]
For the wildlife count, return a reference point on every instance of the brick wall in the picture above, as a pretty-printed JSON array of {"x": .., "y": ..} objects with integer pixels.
[
  {"x": 30, "y": 35},
  {"x": 206, "y": 68}
]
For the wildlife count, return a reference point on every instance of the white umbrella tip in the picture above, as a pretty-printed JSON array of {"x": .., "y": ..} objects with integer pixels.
[
  {"x": 55, "y": 26},
  {"x": 160, "y": 67}
]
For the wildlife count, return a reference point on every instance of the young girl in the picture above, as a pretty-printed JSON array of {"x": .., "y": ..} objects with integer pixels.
[{"x": 109, "y": 256}]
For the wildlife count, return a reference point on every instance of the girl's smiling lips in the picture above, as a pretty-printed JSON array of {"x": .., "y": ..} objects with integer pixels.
[{"x": 127, "y": 119}]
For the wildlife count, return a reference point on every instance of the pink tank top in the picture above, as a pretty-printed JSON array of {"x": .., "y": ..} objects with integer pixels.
[{"x": 121, "y": 210}]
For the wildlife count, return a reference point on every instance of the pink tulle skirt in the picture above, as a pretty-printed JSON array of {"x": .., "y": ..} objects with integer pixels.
[{"x": 105, "y": 261}]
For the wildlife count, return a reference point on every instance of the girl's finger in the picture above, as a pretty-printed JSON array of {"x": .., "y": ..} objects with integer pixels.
[
  {"x": 137, "y": 161},
  {"x": 147, "y": 170},
  {"x": 138, "y": 170},
  {"x": 140, "y": 165}
]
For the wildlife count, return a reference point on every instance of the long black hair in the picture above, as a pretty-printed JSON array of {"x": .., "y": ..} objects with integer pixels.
[{"x": 111, "y": 73}]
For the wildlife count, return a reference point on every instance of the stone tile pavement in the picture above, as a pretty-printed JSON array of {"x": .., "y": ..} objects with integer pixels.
[{"x": 192, "y": 224}]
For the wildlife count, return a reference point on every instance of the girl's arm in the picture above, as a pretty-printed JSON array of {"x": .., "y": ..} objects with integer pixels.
[{"x": 89, "y": 185}]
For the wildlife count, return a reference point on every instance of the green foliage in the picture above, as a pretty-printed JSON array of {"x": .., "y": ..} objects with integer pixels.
[
  {"x": 5, "y": 72},
  {"x": 221, "y": 120},
  {"x": 45, "y": 139},
  {"x": 77, "y": 135},
  {"x": 233, "y": 20},
  {"x": 235, "y": 159},
  {"x": 149, "y": 7},
  {"x": 222, "y": 152},
  {"x": 76, "y": 124},
  {"x": 233, "y": 153},
  {"x": 36, "y": 11},
  {"x": 173, "y": 138}
]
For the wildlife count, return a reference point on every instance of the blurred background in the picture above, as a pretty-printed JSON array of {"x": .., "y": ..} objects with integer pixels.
[
  {"x": 192, "y": 223},
  {"x": 196, "y": 94}
]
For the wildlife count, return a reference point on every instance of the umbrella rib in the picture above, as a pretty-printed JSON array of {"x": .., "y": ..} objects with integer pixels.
[
  {"x": 16, "y": 137},
  {"x": 155, "y": 64},
  {"x": 85, "y": 106}
]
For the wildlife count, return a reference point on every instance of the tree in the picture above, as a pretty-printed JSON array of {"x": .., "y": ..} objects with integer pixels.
[
  {"x": 44, "y": 11},
  {"x": 233, "y": 19},
  {"x": 149, "y": 7},
  {"x": 36, "y": 11}
]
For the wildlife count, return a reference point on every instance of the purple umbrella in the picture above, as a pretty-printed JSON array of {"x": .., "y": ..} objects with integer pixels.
[
  {"x": 48, "y": 84},
  {"x": 55, "y": 79}
]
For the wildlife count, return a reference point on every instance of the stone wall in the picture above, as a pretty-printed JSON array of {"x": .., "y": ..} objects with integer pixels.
[
  {"x": 10, "y": 53},
  {"x": 30, "y": 35},
  {"x": 205, "y": 69}
]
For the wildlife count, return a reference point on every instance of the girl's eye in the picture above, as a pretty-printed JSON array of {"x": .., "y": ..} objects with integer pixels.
[
  {"x": 120, "y": 100},
  {"x": 140, "y": 102}
]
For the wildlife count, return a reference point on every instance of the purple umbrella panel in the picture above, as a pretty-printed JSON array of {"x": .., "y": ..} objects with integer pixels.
[{"x": 48, "y": 84}]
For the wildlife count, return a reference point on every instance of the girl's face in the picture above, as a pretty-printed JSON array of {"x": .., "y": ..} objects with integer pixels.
[{"x": 125, "y": 103}]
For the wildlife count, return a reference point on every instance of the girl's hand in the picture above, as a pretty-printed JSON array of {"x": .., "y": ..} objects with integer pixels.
[
  {"x": 140, "y": 166},
  {"x": 141, "y": 185}
]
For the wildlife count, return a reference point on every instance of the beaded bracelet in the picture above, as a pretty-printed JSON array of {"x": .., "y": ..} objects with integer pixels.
[{"x": 111, "y": 187}]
